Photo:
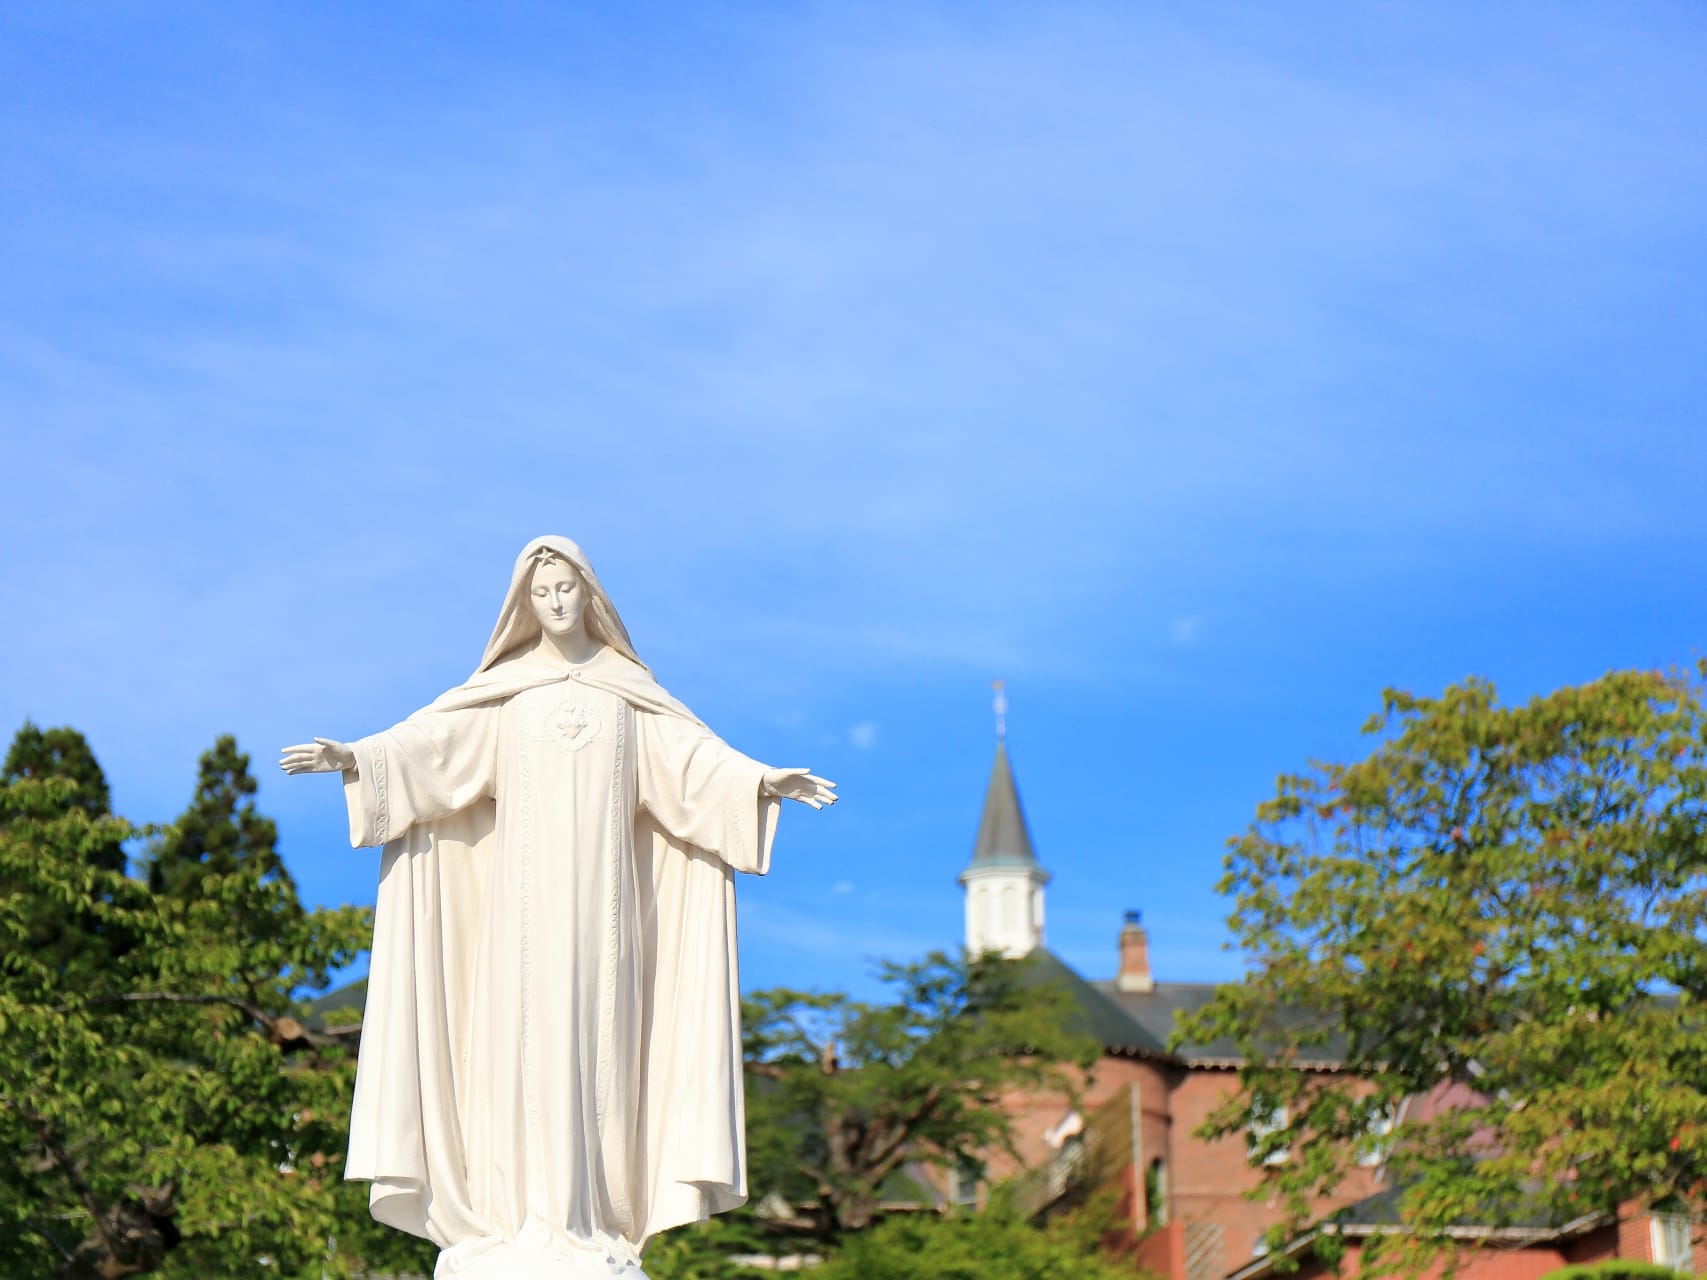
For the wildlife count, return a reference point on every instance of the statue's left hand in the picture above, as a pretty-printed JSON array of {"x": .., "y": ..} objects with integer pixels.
[{"x": 801, "y": 785}]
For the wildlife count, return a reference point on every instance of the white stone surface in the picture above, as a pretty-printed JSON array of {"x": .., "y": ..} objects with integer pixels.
[
  {"x": 537, "y": 1255},
  {"x": 550, "y": 1060}
]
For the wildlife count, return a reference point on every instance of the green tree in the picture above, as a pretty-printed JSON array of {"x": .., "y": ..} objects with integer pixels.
[
  {"x": 722, "y": 1248},
  {"x": 64, "y": 753},
  {"x": 997, "y": 1244},
  {"x": 77, "y": 940},
  {"x": 220, "y": 833},
  {"x": 1498, "y": 915},
  {"x": 843, "y": 1093},
  {"x": 171, "y": 1111}
]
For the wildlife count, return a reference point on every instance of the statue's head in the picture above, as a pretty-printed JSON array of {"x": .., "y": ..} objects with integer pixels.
[
  {"x": 553, "y": 588},
  {"x": 557, "y": 594}
]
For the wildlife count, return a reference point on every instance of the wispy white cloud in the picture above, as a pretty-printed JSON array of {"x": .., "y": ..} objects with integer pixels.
[
  {"x": 864, "y": 735},
  {"x": 1185, "y": 629}
]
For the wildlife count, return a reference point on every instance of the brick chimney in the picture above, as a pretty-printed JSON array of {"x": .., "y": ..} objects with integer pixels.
[{"x": 1134, "y": 957}]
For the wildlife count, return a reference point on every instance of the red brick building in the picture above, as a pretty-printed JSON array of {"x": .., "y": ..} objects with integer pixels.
[
  {"x": 1183, "y": 1197},
  {"x": 1517, "y": 1252}
]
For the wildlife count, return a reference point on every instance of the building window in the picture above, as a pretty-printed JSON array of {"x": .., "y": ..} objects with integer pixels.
[
  {"x": 1267, "y": 1119},
  {"x": 1156, "y": 1194},
  {"x": 964, "y": 1180},
  {"x": 1669, "y": 1238},
  {"x": 1377, "y": 1141}
]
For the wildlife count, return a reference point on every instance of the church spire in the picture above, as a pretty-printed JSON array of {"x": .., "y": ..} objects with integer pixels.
[
  {"x": 1003, "y": 840},
  {"x": 1003, "y": 882}
]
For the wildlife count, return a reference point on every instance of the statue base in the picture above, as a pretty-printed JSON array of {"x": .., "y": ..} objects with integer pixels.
[
  {"x": 539, "y": 1255},
  {"x": 532, "y": 1266}
]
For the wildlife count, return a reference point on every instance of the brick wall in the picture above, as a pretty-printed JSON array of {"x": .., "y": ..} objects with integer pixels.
[
  {"x": 1032, "y": 1117},
  {"x": 1493, "y": 1262},
  {"x": 1629, "y": 1238},
  {"x": 1209, "y": 1178}
]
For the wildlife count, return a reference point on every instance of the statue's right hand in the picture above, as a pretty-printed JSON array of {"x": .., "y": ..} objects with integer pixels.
[{"x": 323, "y": 755}]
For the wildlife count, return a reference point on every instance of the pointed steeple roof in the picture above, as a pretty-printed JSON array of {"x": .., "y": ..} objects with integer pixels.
[{"x": 1003, "y": 838}]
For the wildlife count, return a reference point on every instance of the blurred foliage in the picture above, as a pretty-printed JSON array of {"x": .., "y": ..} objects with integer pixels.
[
  {"x": 843, "y": 1094},
  {"x": 1614, "y": 1269},
  {"x": 166, "y": 1106},
  {"x": 1498, "y": 914},
  {"x": 731, "y": 1246},
  {"x": 996, "y": 1244}
]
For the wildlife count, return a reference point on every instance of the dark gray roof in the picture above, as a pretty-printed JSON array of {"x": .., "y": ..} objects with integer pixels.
[
  {"x": 1155, "y": 1011},
  {"x": 1523, "y": 1213},
  {"x": 1527, "y": 1224},
  {"x": 1003, "y": 838},
  {"x": 1093, "y": 1012}
]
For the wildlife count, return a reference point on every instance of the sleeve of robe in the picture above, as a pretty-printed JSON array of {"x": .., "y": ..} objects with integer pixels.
[
  {"x": 701, "y": 800},
  {"x": 432, "y": 765},
  {"x": 704, "y": 792}
]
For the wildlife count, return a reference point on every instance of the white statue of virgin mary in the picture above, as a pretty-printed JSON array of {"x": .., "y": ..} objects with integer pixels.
[{"x": 550, "y": 1068}]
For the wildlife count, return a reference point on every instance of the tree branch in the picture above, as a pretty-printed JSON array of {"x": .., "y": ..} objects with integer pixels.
[
  {"x": 73, "y": 1175},
  {"x": 283, "y": 1030},
  {"x": 888, "y": 1155}
]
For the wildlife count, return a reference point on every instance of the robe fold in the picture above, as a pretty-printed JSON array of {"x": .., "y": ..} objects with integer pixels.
[{"x": 551, "y": 1044}]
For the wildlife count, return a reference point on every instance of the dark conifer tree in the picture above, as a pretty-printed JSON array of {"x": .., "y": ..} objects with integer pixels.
[
  {"x": 82, "y": 941},
  {"x": 221, "y": 833},
  {"x": 64, "y": 753}
]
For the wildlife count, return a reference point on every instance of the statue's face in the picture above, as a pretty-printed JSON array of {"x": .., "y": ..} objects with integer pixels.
[{"x": 558, "y": 598}]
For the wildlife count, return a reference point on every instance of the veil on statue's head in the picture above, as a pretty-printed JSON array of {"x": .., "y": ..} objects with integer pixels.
[{"x": 518, "y": 629}]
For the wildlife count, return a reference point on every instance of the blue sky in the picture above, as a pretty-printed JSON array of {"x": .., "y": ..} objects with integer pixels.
[{"x": 1200, "y": 370}]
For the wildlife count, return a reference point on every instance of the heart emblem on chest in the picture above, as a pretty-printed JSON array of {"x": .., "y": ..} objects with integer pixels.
[{"x": 573, "y": 725}]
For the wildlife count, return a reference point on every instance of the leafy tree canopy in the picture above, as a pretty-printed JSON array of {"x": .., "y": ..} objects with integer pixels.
[
  {"x": 220, "y": 832},
  {"x": 842, "y": 1094},
  {"x": 64, "y": 753},
  {"x": 1496, "y": 921},
  {"x": 996, "y": 1244},
  {"x": 170, "y": 1110}
]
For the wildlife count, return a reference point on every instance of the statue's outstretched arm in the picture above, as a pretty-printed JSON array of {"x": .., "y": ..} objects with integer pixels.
[{"x": 323, "y": 755}]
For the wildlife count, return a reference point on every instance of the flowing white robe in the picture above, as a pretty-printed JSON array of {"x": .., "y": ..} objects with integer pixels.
[{"x": 550, "y": 1049}]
